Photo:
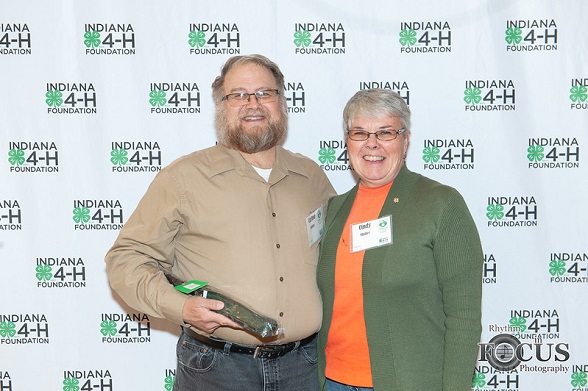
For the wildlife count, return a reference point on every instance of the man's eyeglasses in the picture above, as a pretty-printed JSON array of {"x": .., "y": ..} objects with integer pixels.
[
  {"x": 382, "y": 135},
  {"x": 242, "y": 98}
]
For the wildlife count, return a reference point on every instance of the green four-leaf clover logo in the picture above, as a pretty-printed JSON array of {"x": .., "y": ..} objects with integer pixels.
[
  {"x": 119, "y": 156},
  {"x": 44, "y": 272},
  {"x": 407, "y": 37},
  {"x": 92, "y": 39},
  {"x": 197, "y": 38},
  {"x": 54, "y": 98},
  {"x": 535, "y": 153},
  {"x": 327, "y": 155},
  {"x": 431, "y": 154},
  {"x": 157, "y": 98},
  {"x": 513, "y": 35},
  {"x": 519, "y": 322},
  {"x": 81, "y": 215},
  {"x": 16, "y": 157},
  {"x": 472, "y": 95},
  {"x": 7, "y": 329},
  {"x": 579, "y": 379},
  {"x": 108, "y": 328},
  {"x": 479, "y": 380},
  {"x": 302, "y": 38},
  {"x": 169, "y": 383},
  {"x": 579, "y": 93},
  {"x": 71, "y": 384},
  {"x": 495, "y": 212},
  {"x": 557, "y": 267}
]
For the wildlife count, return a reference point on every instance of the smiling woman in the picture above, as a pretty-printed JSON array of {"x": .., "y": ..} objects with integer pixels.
[
  {"x": 399, "y": 268},
  {"x": 377, "y": 160}
]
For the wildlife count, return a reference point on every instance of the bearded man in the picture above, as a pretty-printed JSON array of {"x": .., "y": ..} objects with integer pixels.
[{"x": 246, "y": 216}]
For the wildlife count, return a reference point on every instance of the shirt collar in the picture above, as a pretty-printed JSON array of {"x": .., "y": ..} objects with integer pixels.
[{"x": 225, "y": 159}]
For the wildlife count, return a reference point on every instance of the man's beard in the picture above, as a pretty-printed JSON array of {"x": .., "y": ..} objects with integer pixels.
[{"x": 258, "y": 139}]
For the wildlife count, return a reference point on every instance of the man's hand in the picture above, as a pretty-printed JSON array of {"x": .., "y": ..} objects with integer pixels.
[{"x": 199, "y": 312}]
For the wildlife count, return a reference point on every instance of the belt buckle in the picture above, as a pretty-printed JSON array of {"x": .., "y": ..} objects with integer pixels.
[{"x": 262, "y": 351}]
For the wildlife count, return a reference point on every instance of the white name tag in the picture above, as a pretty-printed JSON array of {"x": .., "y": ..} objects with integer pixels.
[
  {"x": 315, "y": 225},
  {"x": 374, "y": 233}
]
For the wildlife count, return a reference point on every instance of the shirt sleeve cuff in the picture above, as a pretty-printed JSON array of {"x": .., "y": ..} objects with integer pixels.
[{"x": 172, "y": 306}]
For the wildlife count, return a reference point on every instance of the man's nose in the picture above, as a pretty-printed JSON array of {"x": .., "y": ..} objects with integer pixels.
[{"x": 252, "y": 101}]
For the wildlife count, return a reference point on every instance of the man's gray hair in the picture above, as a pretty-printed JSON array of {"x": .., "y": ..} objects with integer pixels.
[{"x": 217, "y": 85}]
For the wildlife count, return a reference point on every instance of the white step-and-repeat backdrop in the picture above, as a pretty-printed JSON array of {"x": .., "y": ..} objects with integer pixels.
[{"x": 98, "y": 96}]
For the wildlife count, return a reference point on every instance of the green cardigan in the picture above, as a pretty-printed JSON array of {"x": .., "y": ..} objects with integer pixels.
[{"x": 422, "y": 294}]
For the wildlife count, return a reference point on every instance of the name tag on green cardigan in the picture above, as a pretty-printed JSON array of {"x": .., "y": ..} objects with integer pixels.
[{"x": 371, "y": 234}]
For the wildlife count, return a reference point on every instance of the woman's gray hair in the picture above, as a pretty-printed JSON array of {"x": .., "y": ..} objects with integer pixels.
[
  {"x": 376, "y": 103},
  {"x": 217, "y": 84}
]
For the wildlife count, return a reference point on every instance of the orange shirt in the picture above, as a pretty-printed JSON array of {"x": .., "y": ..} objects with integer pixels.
[{"x": 347, "y": 352}]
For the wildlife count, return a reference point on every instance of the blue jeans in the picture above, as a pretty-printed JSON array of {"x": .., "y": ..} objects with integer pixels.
[
  {"x": 203, "y": 368},
  {"x": 334, "y": 386}
]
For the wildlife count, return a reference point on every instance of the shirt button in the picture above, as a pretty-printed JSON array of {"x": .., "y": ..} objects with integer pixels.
[
  {"x": 273, "y": 214},
  {"x": 278, "y": 245},
  {"x": 281, "y": 314},
  {"x": 281, "y": 278}
]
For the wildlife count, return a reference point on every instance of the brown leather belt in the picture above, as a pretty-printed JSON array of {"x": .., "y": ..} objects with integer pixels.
[{"x": 260, "y": 351}]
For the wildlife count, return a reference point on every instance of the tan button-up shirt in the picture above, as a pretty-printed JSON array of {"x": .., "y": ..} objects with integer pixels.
[{"x": 209, "y": 216}]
